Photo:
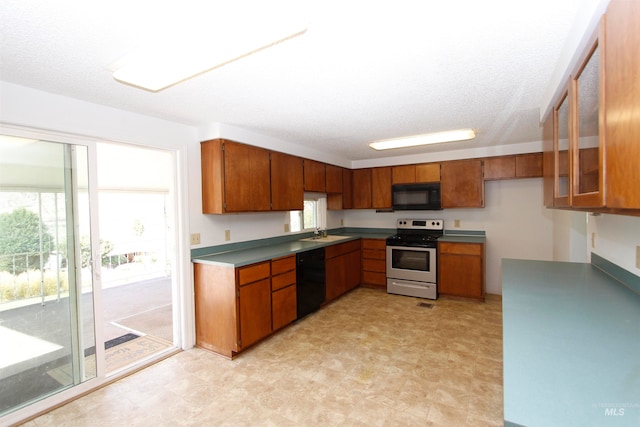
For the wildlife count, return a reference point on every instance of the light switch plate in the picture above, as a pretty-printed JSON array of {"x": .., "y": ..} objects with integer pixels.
[
  {"x": 593, "y": 240},
  {"x": 195, "y": 239},
  {"x": 637, "y": 256},
  {"x": 286, "y": 228},
  {"x": 227, "y": 235},
  {"x": 456, "y": 223}
]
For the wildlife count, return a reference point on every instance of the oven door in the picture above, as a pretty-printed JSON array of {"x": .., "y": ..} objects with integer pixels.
[{"x": 411, "y": 263}]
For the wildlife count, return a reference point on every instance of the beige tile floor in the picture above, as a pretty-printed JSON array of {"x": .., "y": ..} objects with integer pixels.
[{"x": 368, "y": 359}]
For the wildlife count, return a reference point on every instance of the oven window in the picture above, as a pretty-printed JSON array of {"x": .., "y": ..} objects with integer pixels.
[{"x": 407, "y": 259}]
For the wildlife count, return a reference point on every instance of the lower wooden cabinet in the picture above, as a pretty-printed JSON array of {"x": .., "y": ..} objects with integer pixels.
[
  {"x": 461, "y": 270},
  {"x": 342, "y": 268},
  {"x": 283, "y": 291},
  {"x": 374, "y": 264}
]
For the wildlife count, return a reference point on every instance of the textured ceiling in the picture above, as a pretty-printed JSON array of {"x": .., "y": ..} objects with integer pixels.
[{"x": 364, "y": 70}]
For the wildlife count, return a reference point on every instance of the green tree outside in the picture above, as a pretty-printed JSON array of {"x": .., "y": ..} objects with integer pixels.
[{"x": 20, "y": 241}]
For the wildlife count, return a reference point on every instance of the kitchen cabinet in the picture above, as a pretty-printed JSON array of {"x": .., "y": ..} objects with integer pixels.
[
  {"x": 232, "y": 306},
  {"x": 405, "y": 174},
  {"x": 462, "y": 184},
  {"x": 334, "y": 179},
  {"x": 287, "y": 193},
  {"x": 342, "y": 268},
  {"x": 461, "y": 270},
  {"x": 381, "y": 188},
  {"x": 361, "y": 188},
  {"x": 347, "y": 189},
  {"x": 595, "y": 150},
  {"x": 428, "y": 172},
  {"x": 314, "y": 176},
  {"x": 513, "y": 167},
  {"x": 335, "y": 197},
  {"x": 235, "y": 177},
  {"x": 622, "y": 109},
  {"x": 374, "y": 264},
  {"x": 283, "y": 291}
]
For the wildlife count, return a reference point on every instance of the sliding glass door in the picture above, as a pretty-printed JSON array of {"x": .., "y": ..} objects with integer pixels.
[{"x": 47, "y": 321}]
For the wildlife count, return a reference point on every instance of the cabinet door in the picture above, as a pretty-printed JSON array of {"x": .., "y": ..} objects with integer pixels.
[
  {"x": 462, "y": 184},
  {"x": 246, "y": 178},
  {"x": 461, "y": 269},
  {"x": 381, "y": 188},
  {"x": 588, "y": 141},
  {"x": 284, "y": 306},
  {"x": 314, "y": 176},
  {"x": 548, "y": 161},
  {"x": 503, "y": 167},
  {"x": 561, "y": 153},
  {"x": 287, "y": 193},
  {"x": 622, "y": 67},
  {"x": 334, "y": 277},
  {"x": 428, "y": 172},
  {"x": 347, "y": 189},
  {"x": 353, "y": 267},
  {"x": 362, "y": 189},
  {"x": 334, "y": 179},
  {"x": 405, "y": 174},
  {"x": 254, "y": 302},
  {"x": 212, "y": 169},
  {"x": 528, "y": 165}
]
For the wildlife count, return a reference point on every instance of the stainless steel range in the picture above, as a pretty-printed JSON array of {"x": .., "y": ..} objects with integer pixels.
[{"x": 412, "y": 258}]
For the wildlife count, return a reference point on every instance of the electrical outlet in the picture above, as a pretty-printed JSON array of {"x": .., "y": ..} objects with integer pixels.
[
  {"x": 227, "y": 235},
  {"x": 341, "y": 222},
  {"x": 286, "y": 228},
  {"x": 195, "y": 239},
  {"x": 637, "y": 256},
  {"x": 593, "y": 240},
  {"x": 456, "y": 223}
]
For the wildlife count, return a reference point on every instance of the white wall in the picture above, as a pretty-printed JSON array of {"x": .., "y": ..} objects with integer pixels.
[
  {"x": 515, "y": 222},
  {"x": 616, "y": 239}
]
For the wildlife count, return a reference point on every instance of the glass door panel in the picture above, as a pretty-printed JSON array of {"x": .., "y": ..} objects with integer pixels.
[
  {"x": 46, "y": 288},
  {"x": 561, "y": 148}
]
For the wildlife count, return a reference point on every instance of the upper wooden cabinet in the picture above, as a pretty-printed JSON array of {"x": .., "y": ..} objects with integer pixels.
[
  {"x": 428, "y": 172},
  {"x": 347, "y": 189},
  {"x": 235, "y": 177},
  {"x": 513, "y": 167},
  {"x": 314, "y": 176},
  {"x": 287, "y": 193},
  {"x": 334, "y": 179},
  {"x": 622, "y": 105},
  {"x": 381, "y": 188},
  {"x": 409, "y": 174},
  {"x": 596, "y": 121},
  {"x": 405, "y": 174},
  {"x": 362, "y": 188},
  {"x": 462, "y": 184}
]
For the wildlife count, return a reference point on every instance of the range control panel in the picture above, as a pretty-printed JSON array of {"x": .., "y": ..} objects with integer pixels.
[{"x": 420, "y": 224}]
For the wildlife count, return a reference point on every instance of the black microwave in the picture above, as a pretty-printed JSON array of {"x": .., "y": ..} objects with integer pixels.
[{"x": 416, "y": 197}]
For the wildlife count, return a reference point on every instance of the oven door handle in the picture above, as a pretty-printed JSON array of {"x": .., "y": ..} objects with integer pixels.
[{"x": 411, "y": 285}]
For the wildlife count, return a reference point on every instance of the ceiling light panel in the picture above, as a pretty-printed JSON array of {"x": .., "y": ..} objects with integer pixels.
[{"x": 424, "y": 139}]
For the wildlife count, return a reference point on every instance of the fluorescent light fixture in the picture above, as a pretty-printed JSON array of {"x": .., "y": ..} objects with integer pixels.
[
  {"x": 177, "y": 60},
  {"x": 427, "y": 138}
]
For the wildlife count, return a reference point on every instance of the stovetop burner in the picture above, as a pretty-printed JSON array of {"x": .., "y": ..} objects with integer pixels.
[{"x": 417, "y": 232}]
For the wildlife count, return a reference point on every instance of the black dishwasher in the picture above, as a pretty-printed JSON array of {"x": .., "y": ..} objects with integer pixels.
[{"x": 310, "y": 276}]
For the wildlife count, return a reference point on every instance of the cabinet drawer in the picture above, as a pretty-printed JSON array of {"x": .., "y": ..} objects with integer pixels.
[
  {"x": 342, "y": 248},
  {"x": 253, "y": 273},
  {"x": 374, "y": 278},
  {"x": 374, "y": 244},
  {"x": 374, "y": 265},
  {"x": 282, "y": 280},
  {"x": 460, "y": 248},
  {"x": 281, "y": 265},
  {"x": 374, "y": 254}
]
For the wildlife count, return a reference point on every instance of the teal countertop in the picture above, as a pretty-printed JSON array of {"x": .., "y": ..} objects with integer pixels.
[
  {"x": 571, "y": 337},
  {"x": 462, "y": 239},
  {"x": 251, "y": 255}
]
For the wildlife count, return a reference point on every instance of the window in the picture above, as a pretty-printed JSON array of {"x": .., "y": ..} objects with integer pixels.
[{"x": 313, "y": 216}]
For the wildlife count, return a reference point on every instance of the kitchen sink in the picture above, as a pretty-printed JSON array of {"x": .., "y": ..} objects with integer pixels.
[{"x": 330, "y": 238}]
